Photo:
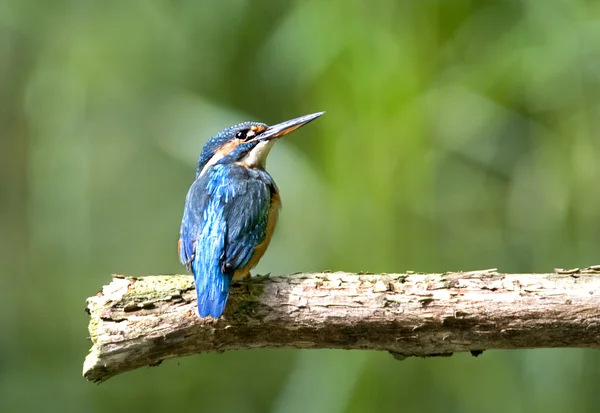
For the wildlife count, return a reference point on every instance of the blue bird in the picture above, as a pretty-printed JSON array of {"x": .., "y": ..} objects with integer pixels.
[{"x": 231, "y": 209}]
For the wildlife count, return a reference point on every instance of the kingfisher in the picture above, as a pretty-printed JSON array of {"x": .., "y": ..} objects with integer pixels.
[{"x": 231, "y": 209}]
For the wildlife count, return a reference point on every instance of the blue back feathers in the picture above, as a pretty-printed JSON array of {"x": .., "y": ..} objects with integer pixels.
[
  {"x": 227, "y": 211},
  {"x": 225, "y": 218}
]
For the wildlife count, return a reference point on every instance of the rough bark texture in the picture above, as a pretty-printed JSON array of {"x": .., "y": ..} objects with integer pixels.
[{"x": 141, "y": 321}]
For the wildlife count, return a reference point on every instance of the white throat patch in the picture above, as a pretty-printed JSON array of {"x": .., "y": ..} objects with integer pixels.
[{"x": 257, "y": 157}]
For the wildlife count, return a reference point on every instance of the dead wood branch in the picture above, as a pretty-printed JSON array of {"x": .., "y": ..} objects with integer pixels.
[{"x": 139, "y": 322}]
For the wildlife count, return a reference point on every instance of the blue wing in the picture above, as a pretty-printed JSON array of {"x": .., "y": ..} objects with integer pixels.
[{"x": 225, "y": 218}]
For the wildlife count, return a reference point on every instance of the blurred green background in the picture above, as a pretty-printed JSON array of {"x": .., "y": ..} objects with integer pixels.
[{"x": 459, "y": 135}]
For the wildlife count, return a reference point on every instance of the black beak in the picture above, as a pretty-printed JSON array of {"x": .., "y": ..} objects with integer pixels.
[{"x": 286, "y": 127}]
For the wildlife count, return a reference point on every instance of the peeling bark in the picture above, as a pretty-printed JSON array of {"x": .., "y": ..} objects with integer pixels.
[{"x": 139, "y": 322}]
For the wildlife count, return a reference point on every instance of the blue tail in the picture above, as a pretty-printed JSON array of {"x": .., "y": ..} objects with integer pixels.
[{"x": 212, "y": 289}]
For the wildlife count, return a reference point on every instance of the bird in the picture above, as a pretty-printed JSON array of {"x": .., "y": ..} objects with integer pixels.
[{"x": 231, "y": 209}]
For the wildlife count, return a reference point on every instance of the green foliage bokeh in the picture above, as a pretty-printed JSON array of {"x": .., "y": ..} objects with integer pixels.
[{"x": 459, "y": 135}]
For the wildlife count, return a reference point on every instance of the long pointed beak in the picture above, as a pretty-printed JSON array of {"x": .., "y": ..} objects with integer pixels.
[{"x": 286, "y": 127}]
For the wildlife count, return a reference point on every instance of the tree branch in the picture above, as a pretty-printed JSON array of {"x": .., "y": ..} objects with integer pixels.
[{"x": 141, "y": 321}]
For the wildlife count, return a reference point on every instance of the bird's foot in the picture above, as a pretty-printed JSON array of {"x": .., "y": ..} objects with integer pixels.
[{"x": 239, "y": 280}]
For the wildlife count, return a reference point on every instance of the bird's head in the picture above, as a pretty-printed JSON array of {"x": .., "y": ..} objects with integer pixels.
[{"x": 247, "y": 143}]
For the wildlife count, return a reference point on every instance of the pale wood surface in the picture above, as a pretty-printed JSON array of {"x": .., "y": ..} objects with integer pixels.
[{"x": 137, "y": 322}]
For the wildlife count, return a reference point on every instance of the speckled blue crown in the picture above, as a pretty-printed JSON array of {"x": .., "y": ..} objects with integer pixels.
[{"x": 219, "y": 140}]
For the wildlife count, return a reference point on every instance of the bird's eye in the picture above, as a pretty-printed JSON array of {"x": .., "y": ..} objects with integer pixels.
[{"x": 245, "y": 134}]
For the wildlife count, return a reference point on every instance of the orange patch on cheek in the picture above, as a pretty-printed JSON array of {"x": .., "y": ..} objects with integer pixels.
[
  {"x": 228, "y": 147},
  {"x": 257, "y": 128},
  {"x": 221, "y": 153}
]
